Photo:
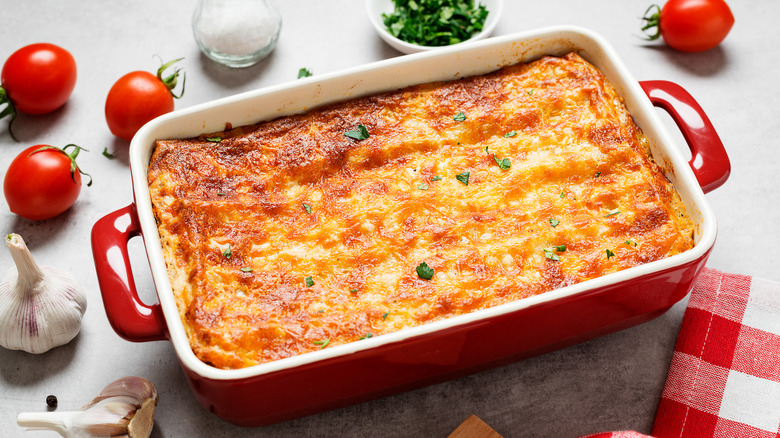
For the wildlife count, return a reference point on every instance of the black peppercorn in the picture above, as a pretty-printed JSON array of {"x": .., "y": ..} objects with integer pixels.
[{"x": 51, "y": 401}]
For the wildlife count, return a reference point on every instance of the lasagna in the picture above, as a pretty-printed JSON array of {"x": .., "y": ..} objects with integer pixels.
[{"x": 388, "y": 211}]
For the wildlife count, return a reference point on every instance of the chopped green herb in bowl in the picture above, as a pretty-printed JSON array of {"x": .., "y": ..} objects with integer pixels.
[{"x": 417, "y": 25}]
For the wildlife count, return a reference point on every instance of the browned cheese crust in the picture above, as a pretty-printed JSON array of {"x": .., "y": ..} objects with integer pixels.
[{"x": 288, "y": 236}]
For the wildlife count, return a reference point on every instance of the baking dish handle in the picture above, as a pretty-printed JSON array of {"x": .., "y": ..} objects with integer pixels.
[
  {"x": 129, "y": 316},
  {"x": 709, "y": 161}
]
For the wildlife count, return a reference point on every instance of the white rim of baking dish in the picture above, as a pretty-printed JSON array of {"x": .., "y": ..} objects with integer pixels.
[{"x": 475, "y": 58}]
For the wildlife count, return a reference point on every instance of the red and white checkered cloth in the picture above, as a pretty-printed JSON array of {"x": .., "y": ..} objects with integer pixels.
[{"x": 724, "y": 379}]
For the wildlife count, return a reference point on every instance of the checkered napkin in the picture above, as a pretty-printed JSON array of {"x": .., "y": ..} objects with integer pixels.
[{"x": 724, "y": 379}]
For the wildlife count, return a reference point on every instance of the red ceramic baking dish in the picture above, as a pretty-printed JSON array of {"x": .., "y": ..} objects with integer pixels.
[{"x": 383, "y": 365}]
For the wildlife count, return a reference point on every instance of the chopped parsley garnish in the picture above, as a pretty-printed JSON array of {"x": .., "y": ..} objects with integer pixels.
[
  {"x": 108, "y": 154},
  {"x": 463, "y": 177},
  {"x": 214, "y": 139},
  {"x": 612, "y": 212},
  {"x": 323, "y": 343},
  {"x": 366, "y": 336},
  {"x": 246, "y": 269},
  {"x": 551, "y": 253},
  {"x": 227, "y": 252},
  {"x": 309, "y": 282},
  {"x": 422, "y": 186},
  {"x": 563, "y": 195},
  {"x": 511, "y": 133},
  {"x": 306, "y": 207},
  {"x": 503, "y": 163},
  {"x": 304, "y": 73},
  {"x": 598, "y": 174},
  {"x": 554, "y": 222},
  {"x": 361, "y": 133},
  {"x": 424, "y": 272},
  {"x": 384, "y": 315},
  {"x": 435, "y": 23},
  {"x": 459, "y": 117},
  {"x": 353, "y": 291},
  {"x": 436, "y": 178},
  {"x": 610, "y": 254},
  {"x": 630, "y": 242},
  {"x": 531, "y": 91}
]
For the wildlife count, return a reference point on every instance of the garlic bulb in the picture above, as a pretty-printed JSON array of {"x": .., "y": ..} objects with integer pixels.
[
  {"x": 124, "y": 408},
  {"x": 40, "y": 307}
]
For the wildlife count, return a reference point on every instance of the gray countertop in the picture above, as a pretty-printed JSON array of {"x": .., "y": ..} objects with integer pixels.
[{"x": 610, "y": 383}]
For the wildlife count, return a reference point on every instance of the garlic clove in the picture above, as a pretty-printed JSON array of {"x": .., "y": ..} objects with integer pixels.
[
  {"x": 123, "y": 408},
  {"x": 41, "y": 307}
]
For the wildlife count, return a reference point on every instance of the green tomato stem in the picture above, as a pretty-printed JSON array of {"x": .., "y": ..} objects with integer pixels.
[
  {"x": 172, "y": 80},
  {"x": 652, "y": 20},
  {"x": 73, "y": 166},
  {"x": 9, "y": 110}
]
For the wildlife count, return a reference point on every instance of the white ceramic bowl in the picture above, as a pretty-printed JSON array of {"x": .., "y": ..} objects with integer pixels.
[{"x": 376, "y": 8}]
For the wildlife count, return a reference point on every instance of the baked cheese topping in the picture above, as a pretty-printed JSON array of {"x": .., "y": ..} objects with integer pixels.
[{"x": 300, "y": 233}]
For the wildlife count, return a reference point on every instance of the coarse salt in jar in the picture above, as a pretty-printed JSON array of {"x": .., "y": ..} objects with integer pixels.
[{"x": 236, "y": 33}]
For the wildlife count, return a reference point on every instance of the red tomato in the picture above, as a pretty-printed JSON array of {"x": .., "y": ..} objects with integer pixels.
[
  {"x": 43, "y": 181},
  {"x": 692, "y": 25},
  {"x": 138, "y": 97},
  {"x": 39, "y": 78}
]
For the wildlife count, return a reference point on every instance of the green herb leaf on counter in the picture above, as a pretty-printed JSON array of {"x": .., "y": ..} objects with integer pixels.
[
  {"x": 361, "y": 133},
  {"x": 309, "y": 281},
  {"x": 459, "y": 117},
  {"x": 424, "y": 271},
  {"x": 304, "y": 73},
  {"x": 323, "y": 343},
  {"x": 306, "y": 207},
  {"x": 108, "y": 154},
  {"x": 435, "y": 23},
  {"x": 463, "y": 177}
]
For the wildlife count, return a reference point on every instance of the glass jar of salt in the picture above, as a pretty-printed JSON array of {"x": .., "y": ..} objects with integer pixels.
[{"x": 236, "y": 33}]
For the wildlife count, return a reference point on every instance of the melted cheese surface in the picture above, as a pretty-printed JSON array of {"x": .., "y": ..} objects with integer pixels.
[{"x": 289, "y": 236}]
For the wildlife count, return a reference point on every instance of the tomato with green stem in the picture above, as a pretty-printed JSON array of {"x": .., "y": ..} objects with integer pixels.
[
  {"x": 138, "y": 97},
  {"x": 43, "y": 181},
  {"x": 689, "y": 25},
  {"x": 36, "y": 79}
]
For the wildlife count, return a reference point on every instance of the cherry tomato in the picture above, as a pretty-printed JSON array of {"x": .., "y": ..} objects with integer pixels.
[
  {"x": 43, "y": 181},
  {"x": 690, "y": 25},
  {"x": 138, "y": 97},
  {"x": 39, "y": 78}
]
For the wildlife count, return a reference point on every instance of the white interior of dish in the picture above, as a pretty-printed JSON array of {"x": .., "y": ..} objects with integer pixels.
[{"x": 445, "y": 64}]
